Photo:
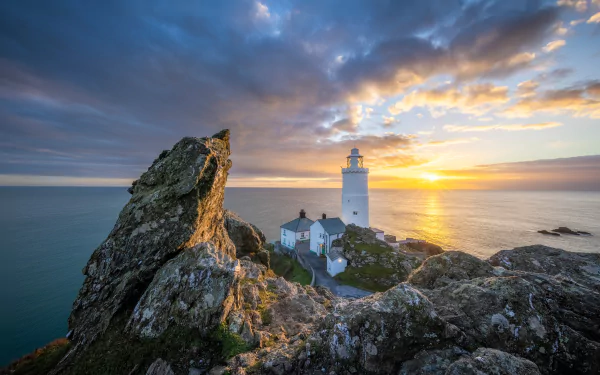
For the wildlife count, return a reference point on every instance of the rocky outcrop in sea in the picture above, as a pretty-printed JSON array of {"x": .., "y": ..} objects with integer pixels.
[{"x": 179, "y": 287}]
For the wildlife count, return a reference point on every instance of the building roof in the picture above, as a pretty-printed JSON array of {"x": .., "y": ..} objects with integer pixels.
[
  {"x": 333, "y": 225},
  {"x": 335, "y": 255},
  {"x": 299, "y": 224},
  {"x": 376, "y": 230}
]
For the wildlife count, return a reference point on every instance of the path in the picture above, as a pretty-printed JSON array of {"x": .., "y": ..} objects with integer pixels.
[{"x": 324, "y": 279}]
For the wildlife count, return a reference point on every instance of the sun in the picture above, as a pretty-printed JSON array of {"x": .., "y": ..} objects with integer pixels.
[{"x": 431, "y": 177}]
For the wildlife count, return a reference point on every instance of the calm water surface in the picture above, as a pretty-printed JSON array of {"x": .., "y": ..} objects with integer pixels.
[{"x": 48, "y": 234}]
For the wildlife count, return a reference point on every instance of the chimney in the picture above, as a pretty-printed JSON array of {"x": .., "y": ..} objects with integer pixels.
[
  {"x": 302, "y": 214},
  {"x": 324, "y": 216}
]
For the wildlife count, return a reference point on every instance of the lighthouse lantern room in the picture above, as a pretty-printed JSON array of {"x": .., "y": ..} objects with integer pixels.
[{"x": 355, "y": 191}]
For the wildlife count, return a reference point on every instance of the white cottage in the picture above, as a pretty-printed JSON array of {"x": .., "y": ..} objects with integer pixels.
[
  {"x": 323, "y": 232},
  {"x": 297, "y": 230},
  {"x": 336, "y": 262}
]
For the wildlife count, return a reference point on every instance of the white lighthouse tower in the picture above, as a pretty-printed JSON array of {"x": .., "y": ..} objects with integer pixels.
[{"x": 355, "y": 191}]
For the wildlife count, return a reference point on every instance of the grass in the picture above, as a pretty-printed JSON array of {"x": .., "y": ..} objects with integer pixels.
[
  {"x": 362, "y": 277},
  {"x": 42, "y": 360},
  {"x": 372, "y": 248},
  {"x": 290, "y": 269}
]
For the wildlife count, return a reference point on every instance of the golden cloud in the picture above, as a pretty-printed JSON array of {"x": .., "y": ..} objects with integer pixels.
[
  {"x": 527, "y": 88},
  {"x": 595, "y": 18},
  {"x": 451, "y": 142},
  {"x": 475, "y": 99},
  {"x": 554, "y": 45},
  {"x": 508, "y": 127},
  {"x": 580, "y": 102}
]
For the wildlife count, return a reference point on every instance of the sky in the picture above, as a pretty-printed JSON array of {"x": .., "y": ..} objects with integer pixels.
[{"x": 453, "y": 94}]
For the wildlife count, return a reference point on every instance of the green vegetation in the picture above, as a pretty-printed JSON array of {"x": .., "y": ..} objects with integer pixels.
[
  {"x": 266, "y": 297},
  {"x": 119, "y": 353},
  {"x": 231, "y": 343},
  {"x": 42, "y": 360},
  {"x": 368, "y": 277},
  {"x": 372, "y": 248},
  {"x": 289, "y": 269}
]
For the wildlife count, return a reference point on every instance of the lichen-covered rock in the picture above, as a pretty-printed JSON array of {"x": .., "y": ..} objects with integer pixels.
[
  {"x": 175, "y": 205},
  {"x": 246, "y": 237},
  {"x": 159, "y": 367},
  {"x": 376, "y": 334},
  {"x": 432, "y": 362},
  {"x": 457, "y": 361},
  {"x": 491, "y": 361},
  {"x": 428, "y": 249},
  {"x": 440, "y": 270},
  {"x": 583, "y": 268},
  {"x": 531, "y": 315},
  {"x": 193, "y": 290}
]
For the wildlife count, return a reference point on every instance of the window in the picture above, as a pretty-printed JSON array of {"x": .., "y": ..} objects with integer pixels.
[
  {"x": 284, "y": 233},
  {"x": 355, "y": 213},
  {"x": 320, "y": 235},
  {"x": 302, "y": 235}
]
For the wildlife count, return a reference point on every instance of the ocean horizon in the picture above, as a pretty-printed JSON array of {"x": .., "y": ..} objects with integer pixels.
[{"x": 47, "y": 234}]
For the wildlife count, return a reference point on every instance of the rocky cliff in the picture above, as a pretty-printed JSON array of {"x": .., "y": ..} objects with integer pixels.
[{"x": 173, "y": 290}]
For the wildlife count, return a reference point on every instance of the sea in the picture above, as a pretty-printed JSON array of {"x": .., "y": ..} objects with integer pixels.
[{"x": 47, "y": 234}]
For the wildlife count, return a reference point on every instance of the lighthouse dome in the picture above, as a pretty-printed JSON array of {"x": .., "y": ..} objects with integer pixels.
[{"x": 354, "y": 153}]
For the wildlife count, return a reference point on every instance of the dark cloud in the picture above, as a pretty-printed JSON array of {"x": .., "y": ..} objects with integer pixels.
[{"x": 98, "y": 89}]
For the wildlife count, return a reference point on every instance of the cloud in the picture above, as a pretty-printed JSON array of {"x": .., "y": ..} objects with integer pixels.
[
  {"x": 475, "y": 99},
  {"x": 579, "y": 101},
  {"x": 447, "y": 142},
  {"x": 527, "y": 88},
  {"x": 388, "y": 120},
  {"x": 595, "y": 18},
  {"x": 98, "y": 91},
  {"x": 579, "y": 5},
  {"x": 554, "y": 45},
  {"x": 576, "y": 173},
  {"x": 262, "y": 11},
  {"x": 508, "y": 127}
]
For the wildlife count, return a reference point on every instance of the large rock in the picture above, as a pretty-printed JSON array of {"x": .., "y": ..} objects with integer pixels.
[
  {"x": 175, "y": 205},
  {"x": 583, "y": 268},
  {"x": 440, "y": 270},
  {"x": 193, "y": 290},
  {"x": 373, "y": 264},
  {"x": 533, "y": 316},
  {"x": 246, "y": 237},
  {"x": 491, "y": 361},
  {"x": 376, "y": 334}
]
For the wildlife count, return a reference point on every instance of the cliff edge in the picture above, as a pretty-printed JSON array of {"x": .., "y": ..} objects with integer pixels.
[{"x": 166, "y": 293}]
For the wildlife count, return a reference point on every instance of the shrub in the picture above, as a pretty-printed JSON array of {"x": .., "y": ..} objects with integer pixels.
[{"x": 42, "y": 360}]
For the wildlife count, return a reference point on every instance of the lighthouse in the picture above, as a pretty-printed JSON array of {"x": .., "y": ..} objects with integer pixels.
[{"x": 355, "y": 191}]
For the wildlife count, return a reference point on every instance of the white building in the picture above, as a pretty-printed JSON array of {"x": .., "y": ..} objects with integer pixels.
[
  {"x": 323, "y": 232},
  {"x": 355, "y": 191},
  {"x": 297, "y": 230},
  {"x": 336, "y": 262}
]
